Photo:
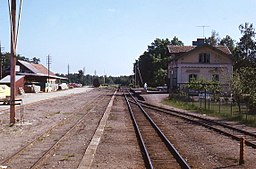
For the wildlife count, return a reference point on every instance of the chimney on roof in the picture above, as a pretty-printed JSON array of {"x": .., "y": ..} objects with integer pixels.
[{"x": 199, "y": 42}]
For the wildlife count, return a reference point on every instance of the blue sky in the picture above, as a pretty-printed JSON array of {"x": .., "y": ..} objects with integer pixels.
[{"x": 107, "y": 36}]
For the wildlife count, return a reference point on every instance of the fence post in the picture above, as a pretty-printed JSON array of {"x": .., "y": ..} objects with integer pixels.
[
  {"x": 231, "y": 108},
  {"x": 242, "y": 145},
  {"x": 219, "y": 105},
  {"x": 204, "y": 98}
]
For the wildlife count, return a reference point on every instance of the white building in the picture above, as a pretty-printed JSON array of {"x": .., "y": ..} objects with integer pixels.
[{"x": 201, "y": 61}]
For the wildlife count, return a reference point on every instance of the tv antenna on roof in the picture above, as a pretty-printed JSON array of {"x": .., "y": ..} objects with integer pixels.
[{"x": 203, "y": 26}]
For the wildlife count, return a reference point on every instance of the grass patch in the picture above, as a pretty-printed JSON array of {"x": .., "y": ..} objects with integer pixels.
[
  {"x": 216, "y": 110},
  {"x": 182, "y": 105}
]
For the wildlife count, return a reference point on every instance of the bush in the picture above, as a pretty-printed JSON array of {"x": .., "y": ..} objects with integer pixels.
[{"x": 96, "y": 82}]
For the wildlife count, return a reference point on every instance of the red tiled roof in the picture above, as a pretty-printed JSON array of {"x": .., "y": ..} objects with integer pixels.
[
  {"x": 224, "y": 49},
  {"x": 174, "y": 49},
  {"x": 41, "y": 69},
  {"x": 36, "y": 68}
]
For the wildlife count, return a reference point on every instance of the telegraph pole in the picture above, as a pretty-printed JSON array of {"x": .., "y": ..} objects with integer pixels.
[
  {"x": 13, "y": 61},
  {"x": 83, "y": 76},
  {"x": 104, "y": 78},
  {"x": 68, "y": 75},
  {"x": 48, "y": 65},
  {"x": 1, "y": 62},
  {"x": 135, "y": 73}
]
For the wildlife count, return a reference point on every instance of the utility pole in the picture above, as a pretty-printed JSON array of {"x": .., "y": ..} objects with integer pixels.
[
  {"x": 48, "y": 66},
  {"x": 104, "y": 77},
  {"x": 1, "y": 62},
  {"x": 84, "y": 76},
  {"x": 68, "y": 74},
  {"x": 13, "y": 61},
  {"x": 135, "y": 73},
  {"x": 14, "y": 30},
  {"x": 139, "y": 73}
]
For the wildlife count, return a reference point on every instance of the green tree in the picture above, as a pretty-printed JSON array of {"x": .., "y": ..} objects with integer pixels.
[
  {"x": 144, "y": 69},
  {"x": 109, "y": 80},
  {"x": 214, "y": 39},
  {"x": 245, "y": 62},
  {"x": 153, "y": 63},
  {"x": 176, "y": 41},
  {"x": 80, "y": 77},
  {"x": 96, "y": 82},
  {"x": 35, "y": 60},
  {"x": 122, "y": 80},
  {"x": 245, "y": 52},
  {"x": 229, "y": 42},
  {"x": 244, "y": 88},
  {"x": 6, "y": 62}
]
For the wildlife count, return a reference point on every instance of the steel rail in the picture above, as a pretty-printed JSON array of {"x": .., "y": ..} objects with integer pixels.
[
  {"x": 183, "y": 114},
  {"x": 62, "y": 138},
  {"x": 182, "y": 162},
  {"x": 42, "y": 136},
  {"x": 205, "y": 119},
  {"x": 139, "y": 135}
]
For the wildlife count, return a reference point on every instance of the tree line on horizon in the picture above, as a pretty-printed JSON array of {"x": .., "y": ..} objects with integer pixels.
[
  {"x": 78, "y": 77},
  {"x": 88, "y": 79}
]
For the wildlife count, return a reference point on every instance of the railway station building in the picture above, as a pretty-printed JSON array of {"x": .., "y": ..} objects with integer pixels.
[
  {"x": 32, "y": 77},
  {"x": 199, "y": 61}
]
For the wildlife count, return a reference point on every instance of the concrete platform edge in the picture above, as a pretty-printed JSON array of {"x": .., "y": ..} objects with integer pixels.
[{"x": 91, "y": 149}]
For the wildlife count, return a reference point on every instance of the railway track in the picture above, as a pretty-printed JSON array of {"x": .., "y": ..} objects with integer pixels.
[
  {"x": 222, "y": 128},
  {"x": 157, "y": 149},
  {"x": 35, "y": 153}
]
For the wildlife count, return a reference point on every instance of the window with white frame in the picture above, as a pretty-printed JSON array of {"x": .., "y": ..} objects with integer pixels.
[{"x": 204, "y": 58}]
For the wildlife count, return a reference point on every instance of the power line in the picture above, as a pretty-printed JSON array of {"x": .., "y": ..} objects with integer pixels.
[
  {"x": 14, "y": 27},
  {"x": 19, "y": 17}
]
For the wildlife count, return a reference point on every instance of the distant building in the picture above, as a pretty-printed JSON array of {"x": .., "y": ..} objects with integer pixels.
[
  {"x": 33, "y": 74},
  {"x": 199, "y": 61}
]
